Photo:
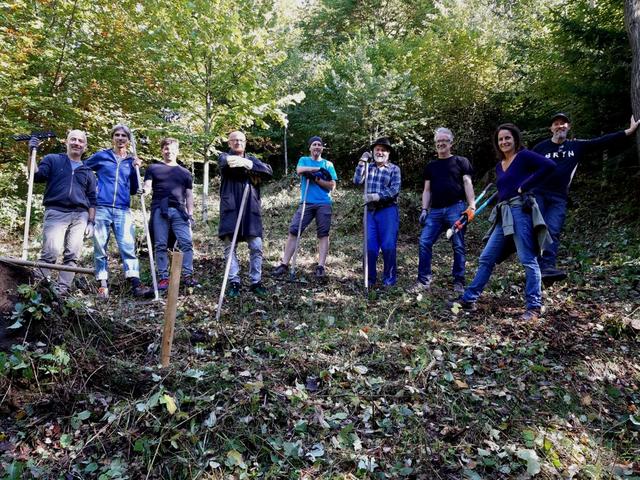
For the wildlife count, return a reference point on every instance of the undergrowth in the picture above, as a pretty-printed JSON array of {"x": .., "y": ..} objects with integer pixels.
[{"x": 319, "y": 381}]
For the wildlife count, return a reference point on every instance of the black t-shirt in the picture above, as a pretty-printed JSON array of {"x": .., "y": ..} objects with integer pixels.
[
  {"x": 445, "y": 177},
  {"x": 169, "y": 181}
]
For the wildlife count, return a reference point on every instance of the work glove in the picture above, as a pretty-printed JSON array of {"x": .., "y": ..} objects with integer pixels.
[
  {"x": 323, "y": 174},
  {"x": 310, "y": 175},
  {"x": 89, "y": 230},
  {"x": 234, "y": 161},
  {"x": 33, "y": 143},
  {"x": 423, "y": 216},
  {"x": 365, "y": 157},
  {"x": 371, "y": 197},
  {"x": 470, "y": 213}
]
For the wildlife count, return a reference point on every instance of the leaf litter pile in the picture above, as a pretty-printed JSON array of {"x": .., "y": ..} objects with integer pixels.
[{"x": 319, "y": 381}]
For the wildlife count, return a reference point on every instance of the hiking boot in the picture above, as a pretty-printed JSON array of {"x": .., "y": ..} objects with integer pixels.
[
  {"x": 142, "y": 291},
  {"x": 530, "y": 315},
  {"x": 163, "y": 285},
  {"x": 234, "y": 290},
  {"x": 190, "y": 282},
  {"x": 280, "y": 270},
  {"x": 466, "y": 306},
  {"x": 420, "y": 287},
  {"x": 103, "y": 293},
  {"x": 258, "y": 290},
  {"x": 320, "y": 273},
  {"x": 458, "y": 288}
]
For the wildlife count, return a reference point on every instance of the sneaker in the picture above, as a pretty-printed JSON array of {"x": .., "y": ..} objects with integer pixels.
[
  {"x": 163, "y": 284},
  {"x": 466, "y": 306},
  {"x": 530, "y": 315},
  {"x": 258, "y": 290},
  {"x": 234, "y": 290},
  {"x": 280, "y": 270},
  {"x": 190, "y": 282},
  {"x": 320, "y": 273},
  {"x": 420, "y": 287},
  {"x": 552, "y": 275},
  {"x": 103, "y": 293},
  {"x": 141, "y": 291},
  {"x": 458, "y": 287}
]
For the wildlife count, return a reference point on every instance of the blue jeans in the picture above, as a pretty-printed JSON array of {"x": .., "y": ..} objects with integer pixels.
[
  {"x": 382, "y": 234},
  {"x": 554, "y": 211},
  {"x": 182, "y": 231},
  {"x": 120, "y": 221},
  {"x": 525, "y": 246},
  {"x": 255, "y": 260},
  {"x": 438, "y": 221}
]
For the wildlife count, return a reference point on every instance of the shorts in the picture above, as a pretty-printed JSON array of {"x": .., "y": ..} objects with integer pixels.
[{"x": 320, "y": 211}]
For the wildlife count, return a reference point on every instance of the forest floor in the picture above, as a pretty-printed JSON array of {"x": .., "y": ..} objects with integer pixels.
[{"x": 319, "y": 381}]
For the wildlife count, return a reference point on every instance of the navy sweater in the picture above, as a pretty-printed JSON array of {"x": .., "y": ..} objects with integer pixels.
[
  {"x": 567, "y": 155},
  {"x": 67, "y": 190},
  {"x": 525, "y": 172}
]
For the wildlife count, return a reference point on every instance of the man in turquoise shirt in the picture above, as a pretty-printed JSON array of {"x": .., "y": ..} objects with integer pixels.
[{"x": 321, "y": 176}]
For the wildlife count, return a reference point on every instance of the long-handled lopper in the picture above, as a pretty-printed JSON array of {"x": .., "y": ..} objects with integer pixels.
[
  {"x": 292, "y": 270},
  {"x": 147, "y": 233},
  {"x": 31, "y": 173},
  {"x": 466, "y": 217},
  {"x": 234, "y": 239},
  {"x": 366, "y": 156}
]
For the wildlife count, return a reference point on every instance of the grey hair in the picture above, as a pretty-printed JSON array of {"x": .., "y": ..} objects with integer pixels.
[
  {"x": 445, "y": 131},
  {"x": 122, "y": 127}
]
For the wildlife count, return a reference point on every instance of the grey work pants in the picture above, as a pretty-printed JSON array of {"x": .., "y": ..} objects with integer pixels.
[{"x": 63, "y": 232}]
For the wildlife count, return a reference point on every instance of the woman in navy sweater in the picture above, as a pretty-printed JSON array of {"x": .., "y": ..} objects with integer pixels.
[{"x": 516, "y": 219}]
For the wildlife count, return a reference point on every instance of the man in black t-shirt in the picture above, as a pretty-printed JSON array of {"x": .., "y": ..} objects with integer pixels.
[
  {"x": 447, "y": 183},
  {"x": 171, "y": 209},
  {"x": 552, "y": 193}
]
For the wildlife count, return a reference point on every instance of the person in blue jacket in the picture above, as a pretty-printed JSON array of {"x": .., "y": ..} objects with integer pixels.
[
  {"x": 117, "y": 181},
  {"x": 552, "y": 193},
  {"x": 322, "y": 178},
  {"x": 69, "y": 206},
  {"x": 516, "y": 219}
]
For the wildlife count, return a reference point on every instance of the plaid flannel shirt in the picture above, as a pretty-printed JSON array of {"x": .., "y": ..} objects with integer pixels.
[{"x": 384, "y": 180}]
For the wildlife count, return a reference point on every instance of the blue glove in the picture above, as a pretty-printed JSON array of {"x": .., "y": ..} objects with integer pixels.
[
  {"x": 323, "y": 174},
  {"x": 33, "y": 143}
]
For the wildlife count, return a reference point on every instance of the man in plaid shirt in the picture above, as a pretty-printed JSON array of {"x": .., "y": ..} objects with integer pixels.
[{"x": 383, "y": 219}]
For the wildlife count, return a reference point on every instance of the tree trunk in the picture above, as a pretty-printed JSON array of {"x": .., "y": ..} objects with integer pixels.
[{"x": 632, "y": 23}]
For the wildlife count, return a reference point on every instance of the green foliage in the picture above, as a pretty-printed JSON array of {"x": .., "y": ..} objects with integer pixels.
[{"x": 31, "y": 308}]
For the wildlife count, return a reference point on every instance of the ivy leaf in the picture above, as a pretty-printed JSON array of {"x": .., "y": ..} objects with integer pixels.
[
  {"x": 170, "y": 403},
  {"x": 531, "y": 457}
]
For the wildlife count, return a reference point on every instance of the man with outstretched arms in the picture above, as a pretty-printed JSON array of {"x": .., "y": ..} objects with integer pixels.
[
  {"x": 448, "y": 190},
  {"x": 117, "y": 181},
  {"x": 69, "y": 206},
  {"x": 552, "y": 193},
  {"x": 320, "y": 175},
  {"x": 383, "y": 217},
  {"x": 171, "y": 210},
  {"x": 238, "y": 169}
]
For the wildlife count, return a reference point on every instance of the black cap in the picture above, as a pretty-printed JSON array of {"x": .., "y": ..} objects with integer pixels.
[
  {"x": 561, "y": 115},
  {"x": 315, "y": 138},
  {"x": 385, "y": 142}
]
